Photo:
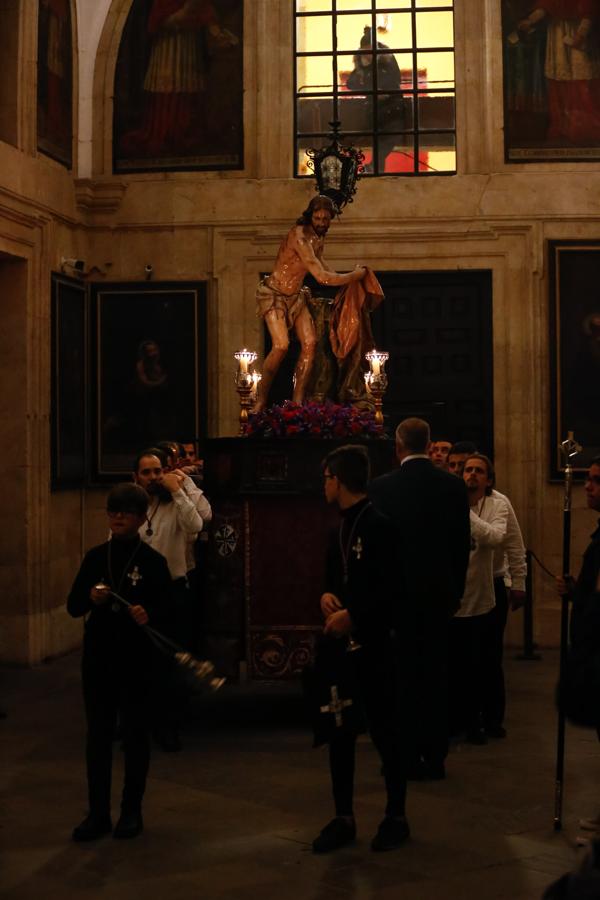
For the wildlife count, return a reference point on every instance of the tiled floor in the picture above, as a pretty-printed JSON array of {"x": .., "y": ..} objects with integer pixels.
[{"x": 233, "y": 815}]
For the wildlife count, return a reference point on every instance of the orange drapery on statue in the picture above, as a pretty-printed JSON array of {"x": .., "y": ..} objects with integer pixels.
[{"x": 350, "y": 333}]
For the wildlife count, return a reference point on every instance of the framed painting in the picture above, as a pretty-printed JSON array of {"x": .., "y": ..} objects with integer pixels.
[
  {"x": 149, "y": 370},
  {"x": 551, "y": 51},
  {"x": 178, "y": 96},
  {"x": 55, "y": 81},
  {"x": 68, "y": 383},
  {"x": 574, "y": 268}
]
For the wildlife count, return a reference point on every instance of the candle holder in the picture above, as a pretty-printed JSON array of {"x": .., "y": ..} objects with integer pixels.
[
  {"x": 376, "y": 380},
  {"x": 245, "y": 385}
]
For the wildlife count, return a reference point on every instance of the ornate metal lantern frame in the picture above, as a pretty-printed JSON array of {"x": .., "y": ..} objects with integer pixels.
[{"x": 337, "y": 168}]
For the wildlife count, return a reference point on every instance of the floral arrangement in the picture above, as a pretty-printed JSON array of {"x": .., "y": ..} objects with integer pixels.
[{"x": 320, "y": 420}]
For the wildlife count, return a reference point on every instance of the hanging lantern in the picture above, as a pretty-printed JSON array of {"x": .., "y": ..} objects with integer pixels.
[{"x": 336, "y": 168}]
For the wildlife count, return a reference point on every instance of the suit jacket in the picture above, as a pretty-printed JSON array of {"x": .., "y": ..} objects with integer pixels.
[{"x": 430, "y": 512}]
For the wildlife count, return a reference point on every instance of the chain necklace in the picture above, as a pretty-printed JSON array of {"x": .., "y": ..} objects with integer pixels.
[
  {"x": 345, "y": 549},
  {"x": 117, "y": 589},
  {"x": 149, "y": 529}
]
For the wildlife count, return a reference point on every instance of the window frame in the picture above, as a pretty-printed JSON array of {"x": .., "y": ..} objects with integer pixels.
[{"x": 415, "y": 132}]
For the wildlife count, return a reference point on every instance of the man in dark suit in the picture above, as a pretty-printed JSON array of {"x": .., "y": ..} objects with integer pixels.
[{"x": 430, "y": 512}]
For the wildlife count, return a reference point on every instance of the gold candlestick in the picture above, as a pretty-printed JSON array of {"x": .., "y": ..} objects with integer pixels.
[
  {"x": 376, "y": 380},
  {"x": 245, "y": 385}
]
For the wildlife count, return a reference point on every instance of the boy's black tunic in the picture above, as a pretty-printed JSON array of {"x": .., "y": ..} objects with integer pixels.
[
  {"x": 119, "y": 662},
  {"x": 359, "y": 563}
]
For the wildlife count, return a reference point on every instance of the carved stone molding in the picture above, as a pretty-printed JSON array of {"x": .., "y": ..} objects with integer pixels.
[{"x": 99, "y": 196}]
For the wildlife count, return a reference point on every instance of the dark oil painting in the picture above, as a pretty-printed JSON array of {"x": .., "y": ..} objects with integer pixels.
[
  {"x": 149, "y": 369},
  {"x": 574, "y": 268},
  {"x": 178, "y": 97},
  {"x": 551, "y": 53},
  {"x": 55, "y": 81}
]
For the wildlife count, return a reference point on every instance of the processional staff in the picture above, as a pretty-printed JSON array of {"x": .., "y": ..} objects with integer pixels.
[{"x": 569, "y": 449}]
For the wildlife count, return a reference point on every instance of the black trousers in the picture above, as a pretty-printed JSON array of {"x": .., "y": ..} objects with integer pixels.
[
  {"x": 171, "y": 698},
  {"x": 110, "y": 691},
  {"x": 379, "y": 693},
  {"x": 424, "y": 674},
  {"x": 471, "y": 665}
]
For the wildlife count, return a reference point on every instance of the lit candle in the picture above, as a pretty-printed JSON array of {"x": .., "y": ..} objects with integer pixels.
[
  {"x": 375, "y": 365},
  {"x": 245, "y": 357}
]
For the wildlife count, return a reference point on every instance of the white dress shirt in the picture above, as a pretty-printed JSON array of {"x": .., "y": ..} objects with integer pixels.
[
  {"x": 173, "y": 525},
  {"x": 488, "y": 530},
  {"x": 509, "y": 559}
]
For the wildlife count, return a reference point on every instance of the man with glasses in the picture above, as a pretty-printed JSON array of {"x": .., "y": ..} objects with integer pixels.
[
  {"x": 118, "y": 663},
  {"x": 356, "y": 605}
]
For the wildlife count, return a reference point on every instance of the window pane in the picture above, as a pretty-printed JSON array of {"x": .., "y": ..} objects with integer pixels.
[
  {"x": 397, "y": 4},
  {"x": 405, "y": 64},
  {"x": 355, "y": 114},
  {"x": 350, "y": 30},
  {"x": 391, "y": 113},
  {"x": 345, "y": 66},
  {"x": 314, "y": 73},
  {"x": 396, "y": 154},
  {"x": 421, "y": 4},
  {"x": 313, "y": 34},
  {"x": 436, "y": 69},
  {"x": 437, "y": 153},
  {"x": 314, "y": 114},
  {"x": 312, "y": 5},
  {"x": 353, "y": 5},
  {"x": 435, "y": 29},
  {"x": 436, "y": 111},
  {"x": 399, "y": 31}
]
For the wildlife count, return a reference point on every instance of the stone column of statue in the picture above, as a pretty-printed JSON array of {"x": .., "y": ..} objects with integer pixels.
[{"x": 281, "y": 297}]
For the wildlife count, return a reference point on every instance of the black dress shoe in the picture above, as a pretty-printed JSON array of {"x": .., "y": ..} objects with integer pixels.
[
  {"x": 336, "y": 834},
  {"x": 392, "y": 832},
  {"x": 91, "y": 828},
  {"x": 130, "y": 824}
]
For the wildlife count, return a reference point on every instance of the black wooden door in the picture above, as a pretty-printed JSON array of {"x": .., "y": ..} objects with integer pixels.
[{"x": 437, "y": 328}]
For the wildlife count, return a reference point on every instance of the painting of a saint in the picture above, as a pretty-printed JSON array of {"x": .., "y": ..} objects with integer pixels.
[
  {"x": 55, "y": 80},
  {"x": 150, "y": 362},
  {"x": 179, "y": 86},
  {"x": 575, "y": 333},
  {"x": 552, "y": 79}
]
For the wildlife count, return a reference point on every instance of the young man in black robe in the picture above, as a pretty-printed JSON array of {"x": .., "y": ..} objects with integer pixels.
[
  {"x": 119, "y": 660},
  {"x": 356, "y": 603}
]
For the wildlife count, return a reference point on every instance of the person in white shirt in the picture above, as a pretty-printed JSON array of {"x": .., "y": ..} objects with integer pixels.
[
  {"x": 472, "y": 631},
  {"x": 510, "y": 572},
  {"x": 172, "y": 523}
]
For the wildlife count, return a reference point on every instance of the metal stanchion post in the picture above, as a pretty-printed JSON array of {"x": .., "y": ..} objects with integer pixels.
[{"x": 569, "y": 449}]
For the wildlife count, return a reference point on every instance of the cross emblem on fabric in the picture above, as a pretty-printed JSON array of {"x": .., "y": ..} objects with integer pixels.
[
  {"x": 134, "y": 576},
  {"x": 358, "y": 547},
  {"x": 336, "y": 706}
]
